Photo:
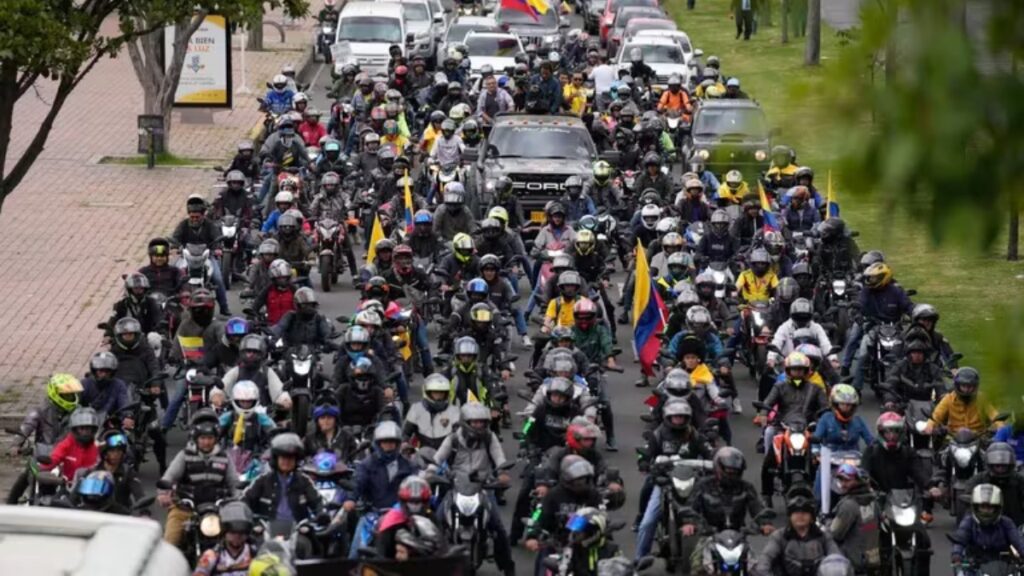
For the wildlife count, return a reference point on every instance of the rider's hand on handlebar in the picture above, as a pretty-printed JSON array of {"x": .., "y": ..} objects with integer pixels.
[
  {"x": 688, "y": 529},
  {"x": 348, "y": 506},
  {"x": 164, "y": 498},
  {"x": 532, "y": 545},
  {"x": 767, "y": 529},
  {"x": 542, "y": 491},
  {"x": 759, "y": 420},
  {"x": 128, "y": 423},
  {"x": 504, "y": 479}
]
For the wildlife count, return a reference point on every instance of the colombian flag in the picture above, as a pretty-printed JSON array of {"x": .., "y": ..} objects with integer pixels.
[
  {"x": 833, "y": 206},
  {"x": 770, "y": 222},
  {"x": 648, "y": 314},
  {"x": 408, "y": 204},
  {"x": 532, "y": 8},
  {"x": 376, "y": 235}
]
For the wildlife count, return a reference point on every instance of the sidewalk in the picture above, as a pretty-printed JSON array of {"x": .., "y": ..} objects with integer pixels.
[{"x": 74, "y": 226}]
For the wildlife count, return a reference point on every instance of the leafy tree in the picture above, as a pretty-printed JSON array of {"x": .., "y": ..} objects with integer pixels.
[
  {"x": 159, "y": 83},
  {"x": 57, "y": 43}
]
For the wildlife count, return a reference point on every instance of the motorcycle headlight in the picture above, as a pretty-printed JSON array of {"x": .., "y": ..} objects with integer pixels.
[
  {"x": 839, "y": 287},
  {"x": 681, "y": 486},
  {"x": 673, "y": 123},
  {"x": 302, "y": 367},
  {"x": 327, "y": 494},
  {"x": 760, "y": 155},
  {"x": 904, "y": 516},
  {"x": 551, "y": 39},
  {"x": 327, "y": 30},
  {"x": 798, "y": 442},
  {"x": 322, "y": 231},
  {"x": 962, "y": 455},
  {"x": 920, "y": 426},
  {"x": 209, "y": 526},
  {"x": 889, "y": 343},
  {"x": 730, "y": 556},
  {"x": 467, "y": 505},
  {"x": 228, "y": 231},
  {"x": 758, "y": 319},
  {"x": 703, "y": 154}
]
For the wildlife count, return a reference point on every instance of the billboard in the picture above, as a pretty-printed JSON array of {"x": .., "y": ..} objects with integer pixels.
[{"x": 206, "y": 72}]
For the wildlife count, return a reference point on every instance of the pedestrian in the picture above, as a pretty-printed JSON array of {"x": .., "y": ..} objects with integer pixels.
[{"x": 743, "y": 13}]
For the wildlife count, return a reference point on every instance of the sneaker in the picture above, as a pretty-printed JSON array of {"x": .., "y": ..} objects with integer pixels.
[
  {"x": 927, "y": 517},
  {"x": 527, "y": 341},
  {"x": 611, "y": 446},
  {"x": 623, "y": 319},
  {"x": 737, "y": 406}
]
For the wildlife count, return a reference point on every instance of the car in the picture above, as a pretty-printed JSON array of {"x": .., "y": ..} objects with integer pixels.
[
  {"x": 52, "y": 541},
  {"x": 610, "y": 9},
  {"x": 490, "y": 48},
  {"x": 538, "y": 152},
  {"x": 663, "y": 55},
  {"x": 730, "y": 134},
  {"x": 366, "y": 31},
  {"x": 692, "y": 55},
  {"x": 542, "y": 31},
  {"x": 421, "y": 29},
  {"x": 459, "y": 27},
  {"x": 622, "y": 18}
]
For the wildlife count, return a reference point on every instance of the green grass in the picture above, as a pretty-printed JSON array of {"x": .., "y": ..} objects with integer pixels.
[
  {"x": 165, "y": 159},
  {"x": 970, "y": 290}
]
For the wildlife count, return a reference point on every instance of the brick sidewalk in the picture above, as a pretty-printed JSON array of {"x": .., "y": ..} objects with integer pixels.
[{"x": 73, "y": 226}]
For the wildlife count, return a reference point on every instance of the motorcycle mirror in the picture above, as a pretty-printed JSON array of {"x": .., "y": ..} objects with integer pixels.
[
  {"x": 854, "y": 233},
  {"x": 616, "y": 526},
  {"x": 551, "y": 562},
  {"x": 507, "y": 465},
  {"x": 343, "y": 319},
  {"x": 647, "y": 418},
  {"x": 759, "y": 405},
  {"x": 44, "y": 459},
  {"x": 957, "y": 356},
  {"x": 163, "y": 484},
  {"x": 912, "y": 292},
  {"x": 144, "y": 503}
]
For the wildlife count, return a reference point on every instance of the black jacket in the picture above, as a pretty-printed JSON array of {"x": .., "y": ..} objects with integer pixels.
[
  {"x": 558, "y": 506},
  {"x": 722, "y": 506},
  {"x": 342, "y": 444},
  {"x": 135, "y": 365},
  {"x": 206, "y": 233},
  {"x": 264, "y": 495},
  {"x": 893, "y": 469},
  {"x": 147, "y": 312}
]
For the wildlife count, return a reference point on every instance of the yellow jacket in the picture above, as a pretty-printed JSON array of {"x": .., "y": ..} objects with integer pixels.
[
  {"x": 575, "y": 99},
  {"x": 735, "y": 197},
  {"x": 560, "y": 312},
  {"x": 754, "y": 289},
  {"x": 954, "y": 414}
]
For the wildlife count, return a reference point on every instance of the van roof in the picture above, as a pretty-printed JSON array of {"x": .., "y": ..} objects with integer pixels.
[{"x": 391, "y": 9}]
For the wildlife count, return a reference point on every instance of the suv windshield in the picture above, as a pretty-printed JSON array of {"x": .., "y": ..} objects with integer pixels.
[
  {"x": 457, "y": 32},
  {"x": 542, "y": 142},
  {"x": 658, "y": 53},
  {"x": 548, "y": 19},
  {"x": 731, "y": 121},
  {"x": 416, "y": 12},
  {"x": 614, "y": 5},
  {"x": 370, "y": 29},
  {"x": 491, "y": 46}
]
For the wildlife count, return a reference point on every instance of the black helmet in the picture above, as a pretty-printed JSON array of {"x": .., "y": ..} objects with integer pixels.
[
  {"x": 729, "y": 464},
  {"x": 674, "y": 409},
  {"x": 205, "y": 423},
  {"x": 286, "y": 444},
  {"x": 1000, "y": 460},
  {"x": 832, "y": 229},
  {"x": 576, "y": 473},
  {"x": 801, "y": 311},
  {"x": 871, "y": 257},
  {"x": 236, "y": 516},
  {"x": 652, "y": 159},
  {"x": 966, "y": 383}
]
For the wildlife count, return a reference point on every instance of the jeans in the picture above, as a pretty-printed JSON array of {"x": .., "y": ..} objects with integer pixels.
[
  {"x": 853, "y": 338},
  {"x": 867, "y": 343},
  {"x": 520, "y": 319},
  {"x": 177, "y": 399},
  {"x": 649, "y": 524},
  {"x": 419, "y": 334},
  {"x": 218, "y": 283},
  {"x": 267, "y": 178}
]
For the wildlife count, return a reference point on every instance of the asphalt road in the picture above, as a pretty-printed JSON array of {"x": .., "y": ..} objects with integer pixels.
[{"x": 626, "y": 399}]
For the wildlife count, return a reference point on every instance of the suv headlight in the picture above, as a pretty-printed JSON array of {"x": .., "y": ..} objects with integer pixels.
[
  {"x": 760, "y": 155},
  {"x": 703, "y": 154}
]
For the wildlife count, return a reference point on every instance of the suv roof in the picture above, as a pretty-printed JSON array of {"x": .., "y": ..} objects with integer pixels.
[
  {"x": 540, "y": 119},
  {"x": 728, "y": 103},
  {"x": 393, "y": 9}
]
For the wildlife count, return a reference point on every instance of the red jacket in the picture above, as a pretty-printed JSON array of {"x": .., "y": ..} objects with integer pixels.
[
  {"x": 311, "y": 133},
  {"x": 279, "y": 303},
  {"x": 72, "y": 456}
]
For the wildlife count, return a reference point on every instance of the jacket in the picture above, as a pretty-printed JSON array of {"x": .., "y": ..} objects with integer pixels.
[
  {"x": 842, "y": 436},
  {"x": 109, "y": 399},
  {"x": 373, "y": 484},
  {"x": 787, "y": 554},
  {"x": 428, "y": 427},
  {"x": 42, "y": 425},
  {"x": 296, "y": 330},
  {"x": 906, "y": 381},
  {"x": 342, "y": 443},
  {"x": 360, "y": 409},
  {"x": 595, "y": 342},
  {"x": 894, "y": 469},
  {"x": 250, "y": 433},
  {"x": 803, "y": 401},
  {"x": 557, "y": 507},
  {"x": 266, "y": 379},
  {"x": 783, "y": 337},
  {"x": 71, "y": 456},
  {"x": 659, "y": 183},
  {"x": 466, "y": 456},
  {"x": 801, "y": 219},
  {"x": 448, "y": 223},
  {"x": 985, "y": 543},
  {"x": 667, "y": 442},
  {"x": 147, "y": 312},
  {"x": 166, "y": 280},
  {"x": 886, "y": 304},
  {"x": 1013, "y": 492},
  {"x": 722, "y": 506},
  {"x": 278, "y": 302},
  {"x": 279, "y": 102},
  {"x": 954, "y": 414},
  {"x": 578, "y": 207},
  {"x": 1005, "y": 434},
  {"x": 855, "y": 528},
  {"x": 717, "y": 248},
  {"x": 264, "y": 496},
  {"x": 135, "y": 365},
  {"x": 447, "y": 151},
  {"x": 277, "y": 151},
  {"x": 206, "y": 233},
  {"x": 551, "y": 239}
]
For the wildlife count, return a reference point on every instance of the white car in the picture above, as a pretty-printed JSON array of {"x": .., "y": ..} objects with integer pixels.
[
  {"x": 366, "y": 31},
  {"x": 420, "y": 23},
  {"x": 57, "y": 541},
  {"x": 691, "y": 56},
  {"x": 663, "y": 55},
  {"x": 497, "y": 49},
  {"x": 459, "y": 28}
]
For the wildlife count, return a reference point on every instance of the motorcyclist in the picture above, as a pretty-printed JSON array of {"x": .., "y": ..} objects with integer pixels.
[
  {"x": 448, "y": 147},
  {"x": 236, "y": 551},
  {"x": 690, "y": 204},
  {"x": 653, "y": 178},
  {"x": 837, "y": 253},
  {"x": 163, "y": 277},
  {"x": 732, "y": 190},
  {"x": 750, "y": 223},
  {"x": 676, "y": 436},
  {"x": 201, "y": 472},
  {"x": 602, "y": 188},
  {"x": 758, "y": 282},
  {"x": 560, "y": 309},
  {"x": 801, "y": 313},
  {"x": 104, "y": 392},
  {"x": 924, "y": 318},
  {"x": 252, "y": 353},
  {"x": 305, "y": 324},
  {"x": 792, "y": 398},
  {"x": 282, "y": 149},
  {"x": 576, "y": 203},
  {"x": 45, "y": 424},
  {"x": 328, "y": 435},
  {"x": 279, "y": 98},
  {"x": 798, "y": 547},
  {"x": 717, "y": 245},
  {"x": 94, "y": 491},
  {"x": 841, "y": 429},
  {"x": 556, "y": 234},
  {"x": 197, "y": 229},
  {"x": 576, "y": 489},
  {"x": 454, "y": 217},
  {"x": 432, "y": 419},
  {"x": 800, "y": 214},
  {"x": 310, "y": 129},
  {"x": 78, "y": 449},
  {"x": 962, "y": 408},
  {"x": 223, "y": 355},
  {"x": 361, "y": 399},
  {"x": 278, "y": 296},
  {"x": 913, "y": 377},
  {"x": 881, "y": 300},
  {"x": 379, "y": 475},
  {"x": 414, "y": 499},
  {"x": 1001, "y": 471},
  {"x": 246, "y": 427},
  {"x": 295, "y": 250},
  {"x": 782, "y": 171},
  {"x": 985, "y": 534},
  {"x": 136, "y": 361},
  {"x": 283, "y": 202},
  {"x": 425, "y": 243},
  {"x": 507, "y": 201},
  {"x": 137, "y": 304},
  {"x": 474, "y": 449},
  {"x": 244, "y": 161},
  {"x": 595, "y": 340},
  {"x": 855, "y": 523},
  {"x": 126, "y": 489},
  {"x": 892, "y": 465}
]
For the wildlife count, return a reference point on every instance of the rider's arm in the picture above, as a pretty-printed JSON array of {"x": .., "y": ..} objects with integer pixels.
[
  {"x": 770, "y": 554},
  {"x": 176, "y": 470},
  {"x": 496, "y": 452},
  {"x": 444, "y": 451},
  {"x": 275, "y": 386},
  {"x": 940, "y": 415}
]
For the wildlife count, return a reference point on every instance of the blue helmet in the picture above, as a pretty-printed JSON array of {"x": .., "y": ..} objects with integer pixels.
[
  {"x": 325, "y": 461},
  {"x": 236, "y": 327},
  {"x": 326, "y": 409},
  {"x": 423, "y": 217},
  {"x": 477, "y": 286}
]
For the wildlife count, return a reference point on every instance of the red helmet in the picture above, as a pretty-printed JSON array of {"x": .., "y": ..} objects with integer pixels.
[
  {"x": 584, "y": 312},
  {"x": 577, "y": 433},
  {"x": 401, "y": 70},
  {"x": 888, "y": 423}
]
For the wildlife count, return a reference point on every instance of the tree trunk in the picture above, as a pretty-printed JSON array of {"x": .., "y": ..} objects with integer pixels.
[
  {"x": 784, "y": 15},
  {"x": 812, "y": 53},
  {"x": 255, "y": 40},
  {"x": 1013, "y": 240},
  {"x": 892, "y": 11}
]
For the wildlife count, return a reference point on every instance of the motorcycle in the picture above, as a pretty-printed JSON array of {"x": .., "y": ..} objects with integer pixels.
[
  {"x": 838, "y": 299},
  {"x": 197, "y": 394},
  {"x": 330, "y": 540},
  {"x": 195, "y": 263},
  {"x": 757, "y": 336},
  {"x": 145, "y": 415},
  {"x": 303, "y": 381},
  {"x": 464, "y": 514},
  {"x": 330, "y": 237},
  {"x": 233, "y": 250},
  {"x": 730, "y": 552},
  {"x": 677, "y": 477},
  {"x": 888, "y": 350},
  {"x": 44, "y": 487},
  {"x": 963, "y": 460},
  {"x": 900, "y": 524},
  {"x": 678, "y": 127},
  {"x": 791, "y": 450}
]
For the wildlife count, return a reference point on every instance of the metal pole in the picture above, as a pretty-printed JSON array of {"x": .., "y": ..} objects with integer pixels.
[
  {"x": 151, "y": 150},
  {"x": 244, "y": 88}
]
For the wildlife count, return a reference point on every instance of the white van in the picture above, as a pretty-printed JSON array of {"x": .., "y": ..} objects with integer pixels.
[{"x": 366, "y": 30}]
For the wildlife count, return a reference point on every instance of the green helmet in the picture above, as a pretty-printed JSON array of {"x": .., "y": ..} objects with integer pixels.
[{"x": 63, "y": 390}]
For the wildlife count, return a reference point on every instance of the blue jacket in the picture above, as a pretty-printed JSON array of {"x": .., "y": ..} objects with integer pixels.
[
  {"x": 802, "y": 219},
  {"x": 712, "y": 345},
  {"x": 551, "y": 92},
  {"x": 279, "y": 102},
  {"x": 885, "y": 305},
  {"x": 110, "y": 399},
  {"x": 270, "y": 225},
  {"x": 711, "y": 184},
  {"x": 985, "y": 543},
  {"x": 578, "y": 208},
  {"x": 830, "y": 432},
  {"x": 1016, "y": 440},
  {"x": 372, "y": 484}
]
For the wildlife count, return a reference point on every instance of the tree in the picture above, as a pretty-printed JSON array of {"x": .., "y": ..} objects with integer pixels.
[
  {"x": 57, "y": 43},
  {"x": 159, "y": 83},
  {"x": 812, "y": 51}
]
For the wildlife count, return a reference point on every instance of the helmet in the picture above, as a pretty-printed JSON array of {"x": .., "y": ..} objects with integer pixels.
[
  {"x": 890, "y": 426},
  {"x": 782, "y": 155},
  {"x": 801, "y": 311},
  {"x": 672, "y": 240},
  {"x": 136, "y": 281},
  {"x": 577, "y": 433},
  {"x": 652, "y": 159},
  {"x": 459, "y": 112},
  {"x": 423, "y": 217},
  {"x": 787, "y": 291},
  {"x": 491, "y": 228},
  {"x": 96, "y": 490},
  {"x": 420, "y": 536},
  {"x": 924, "y": 312},
  {"x": 917, "y": 345},
  {"x": 560, "y": 363},
  {"x": 201, "y": 298},
  {"x": 288, "y": 224},
  {"x": 575, "y": 469},
  {"x": 387, "y": 431},
  {"x": 376, "y": 286},
  {"x": 414, "y": 492},
  {"x": 287, "y": 444},
  {"x": 369, "y": 318},
  {"x": 236, "y": 327},
  {"x": 835, "y": 565},
  {"x": 490, "y": 261},
  {"x": 966, "y": 383},
  {"x": 677, "y": 382},
  {"x": 246, "y": 146},
  {"x": 103, "y": 361},
  {"x": 1000, "y": 460},
  {"x": 236, "y": 517},
  {"x": 356, "y": 335},
  {"x": 602, "y": 171},
  {"x": 649, "y": 215},
  {"x": 463, "y": 246},
  {"x": 561, "y": 386},
  {"x": 986, "y": 504},
  {"x": 125, "y": 326},
  {"x": 63, "y": 390},
  {"x": 280, "y": 269},
  {"x": 466, "y": 346},
  {"x": 475, "y": 412},
  {"x": 481, "y": 313},
  {"x": 305, "y": 297},
  {"x": 279, "y": 82},
  {"x": 244, "y": 396},
  {"x": 729, "y": 464},
  {"x": 562, "y": 333},
  {"x": 584, "y": 312},
  {"x": 326, "y": 407},
  {"x": 698, "y": 319},
  {"x": 553, "y": 208},
  {"x": 436, "y": 383},
  {"x": 760, "y": 256},
  {"x": 871, "y": 257},
  {"x": 844, "y": 394},
  {"x": 83, "y": 424},
  {"x": 569, "y": 278},
  {"x": 673, "y": 408},
  {"x": 284, "y": 197},
  {"x": 877, "y": 275},
  {"x": 797, "y": 361},
  {"x": 205, "y": 423},
  {"x": 800, "y": 502},
  {"x": 832, "y": 229}
]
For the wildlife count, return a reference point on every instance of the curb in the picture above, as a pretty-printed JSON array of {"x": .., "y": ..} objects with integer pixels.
[{"x": 304, "y": 69}]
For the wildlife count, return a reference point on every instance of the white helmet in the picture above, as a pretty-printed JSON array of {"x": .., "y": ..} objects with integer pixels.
[
  {"x": 245, "y": 396},
  {"x": 299, "y": 97},
  {"x": 649, "y": 216},
  {"x": 280, "y": 83},
  {"x": 284, "y": 197}
]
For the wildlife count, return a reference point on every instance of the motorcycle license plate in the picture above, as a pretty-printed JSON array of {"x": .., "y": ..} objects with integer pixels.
[{"x": 538, "y": 216}]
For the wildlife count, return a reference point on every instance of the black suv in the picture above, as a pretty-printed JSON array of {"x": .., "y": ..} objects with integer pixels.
[
  {"x": 538, "y": 152},
  {"x": 730, "y": 134}
]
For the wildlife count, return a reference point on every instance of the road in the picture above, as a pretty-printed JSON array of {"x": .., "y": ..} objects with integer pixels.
[{"x": 627, "y": 401}]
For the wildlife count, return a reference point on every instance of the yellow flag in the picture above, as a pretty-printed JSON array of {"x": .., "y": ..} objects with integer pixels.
[
  {"x": 828, "y": 203},
  {"x": 471, "y": 398},
  {"x": 239, "y": 433},
  {"x": 375, "y": 236},
  {"x": 642, "y": 283}
]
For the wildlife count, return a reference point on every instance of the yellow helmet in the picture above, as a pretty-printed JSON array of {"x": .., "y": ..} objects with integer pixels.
[
  {"x": 878, "y": 275},
  {"x": 499, "y": 213},
  {"x": 63, "y": 389},
  {"x": 585, "y": 241}
]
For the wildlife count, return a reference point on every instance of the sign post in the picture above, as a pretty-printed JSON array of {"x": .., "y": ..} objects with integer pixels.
[
  {"x": 151, "y": 137},
  {"x": 206, "y": 74}
]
